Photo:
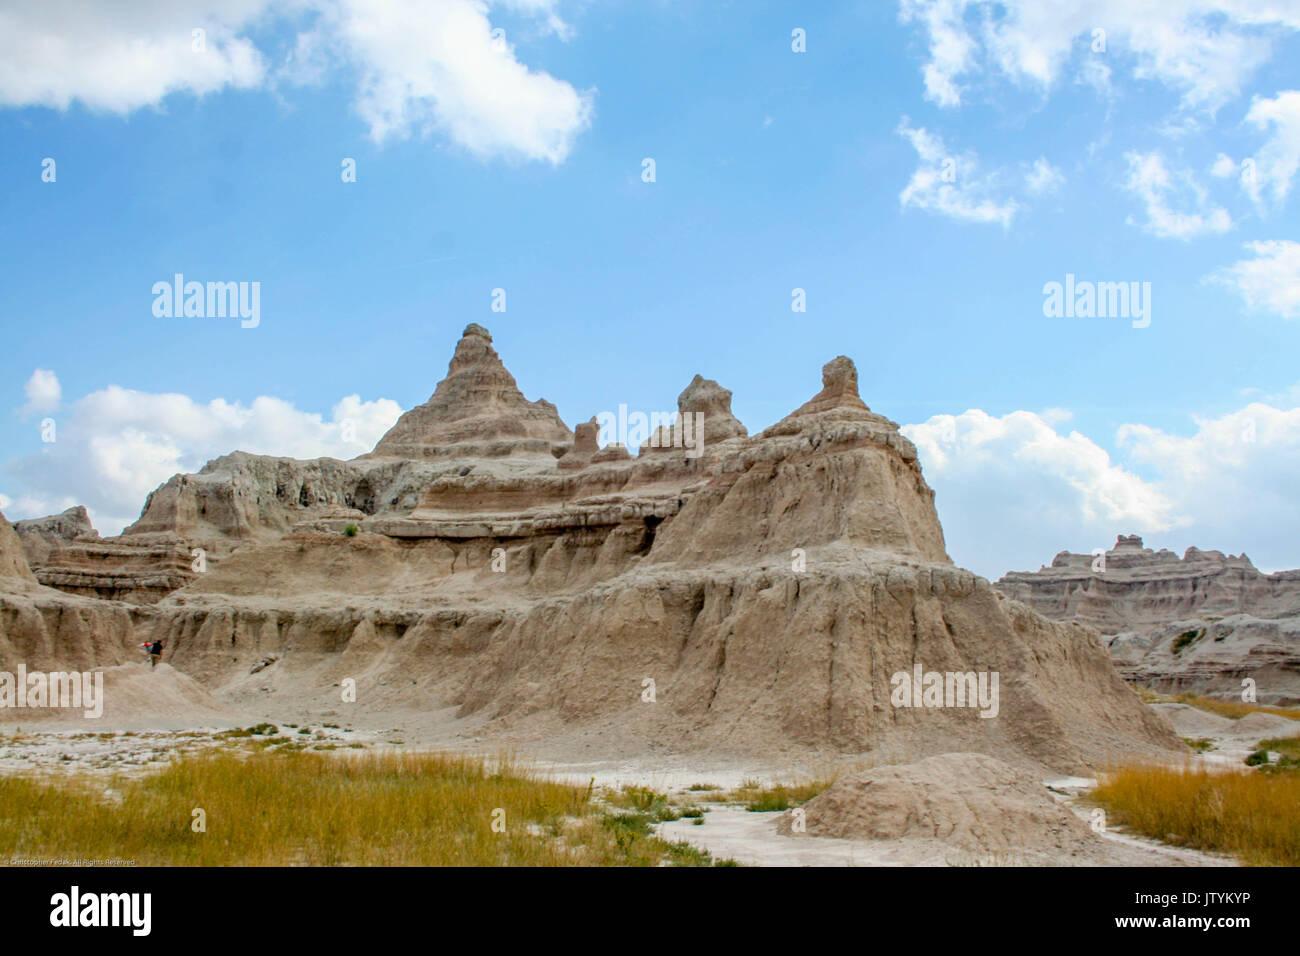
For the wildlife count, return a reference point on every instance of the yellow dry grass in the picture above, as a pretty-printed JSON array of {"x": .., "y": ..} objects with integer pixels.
[
  {"x": 266, "y": 809},
  {"x": 1255, "y": 816}
]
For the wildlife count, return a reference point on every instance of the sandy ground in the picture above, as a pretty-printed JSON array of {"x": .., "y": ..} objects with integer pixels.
[
  {"x": 751, "y": 839},
  {"x": 57, "y": 742}
]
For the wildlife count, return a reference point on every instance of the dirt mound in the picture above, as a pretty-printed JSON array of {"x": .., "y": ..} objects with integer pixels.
[
  {"x": 1264, "y": 725},
  {"x": 1191, "y": 721},
  {"x": 970, "y": 801}
]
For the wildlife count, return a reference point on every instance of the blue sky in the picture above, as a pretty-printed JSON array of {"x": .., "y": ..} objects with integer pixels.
[{"x": 921, "y": 173}]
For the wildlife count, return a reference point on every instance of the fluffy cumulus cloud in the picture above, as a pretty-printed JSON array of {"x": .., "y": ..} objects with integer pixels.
[
  {"x": 951, "y": 185},
  {"x": 1176, "y": 205},
  {"x": 1234, "y": 479},
  {"x": 1269, "y": 282},
  {"x": 1013, "y": 491},
  {"x": 122, "y": 56},
  {"x": 437, "y": 65},
  {"x": 116, "y": 445},
  {"x": 1205, "y": 50},
  {"x": 43, "y": 392},
  {"x": 421, "y": 65}
]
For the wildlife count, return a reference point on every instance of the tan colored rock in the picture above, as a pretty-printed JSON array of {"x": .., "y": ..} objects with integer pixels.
[
  {"x": 771, "y": 588},
  {"x": 1198, "y": 623},
  {"x": 969, "y": 801},
  {"x": 476, "y": 411},
  {"x": 13, "y": 560},
  {"x": 703, "y": 402},
  {"x": 40, "y": 536},
  {"x": 585, "y": 446}
]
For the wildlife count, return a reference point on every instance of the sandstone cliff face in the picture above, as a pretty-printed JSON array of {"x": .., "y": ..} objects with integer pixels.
[
  {"x": 1202, "y": 622},
  {"x": 760, "y": 597},
  {"x": 13, "y": 561}
]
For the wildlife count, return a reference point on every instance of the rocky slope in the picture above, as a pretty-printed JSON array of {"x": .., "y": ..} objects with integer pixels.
[
  {"x": 1203, "y": 622},
  {"x": 765, "y": 596}
]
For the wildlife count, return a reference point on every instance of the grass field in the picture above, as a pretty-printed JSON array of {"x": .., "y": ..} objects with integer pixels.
[
  {"x": 265, "y": 808},
  {"x": 1253, "y": 815}
]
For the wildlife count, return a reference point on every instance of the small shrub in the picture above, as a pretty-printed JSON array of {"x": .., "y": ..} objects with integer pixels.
[{"x": 351, "y": 530}]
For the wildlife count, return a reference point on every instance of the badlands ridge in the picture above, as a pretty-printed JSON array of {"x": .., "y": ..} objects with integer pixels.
[
  {"x": 752, "y": 600},
  {"x": 1204, "y": 622}
]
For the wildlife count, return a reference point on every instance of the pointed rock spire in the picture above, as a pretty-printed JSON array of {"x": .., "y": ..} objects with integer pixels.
[
  {"x": 709, "y": 400},
  {"x": 839, "y": 389},
  {"x": 476, "y": 411}
]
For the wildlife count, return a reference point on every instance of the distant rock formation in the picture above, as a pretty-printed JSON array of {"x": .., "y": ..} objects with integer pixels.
[
  {"x": 1202, "y": 622},
  {"x": 765, "y": 593}
]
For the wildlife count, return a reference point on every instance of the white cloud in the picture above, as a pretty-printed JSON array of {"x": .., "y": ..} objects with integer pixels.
[
  {"x": 1159, "y": 189},
  {"x": 1270, "y": 282},
  {"x": 1276, "y": 162},
  {"x": 116, "y": 445},
  {"x": 1205, "y": 50},
  {"x": 1043, "y": 177},
  {"x": 1235, "y": 478},
  {"x": 951, "y": 185},
  {"x": 1012, "y": 491},
  {"x": 1223, "y": 167},
  {"x": 421, "y": 65},
  {"x": 122, "y": 56},
  {"x": 427, "y": 66},
  {"x": 43, "y": 392}
]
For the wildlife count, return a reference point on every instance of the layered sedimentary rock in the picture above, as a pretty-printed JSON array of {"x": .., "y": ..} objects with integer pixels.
[
  {"x": 40, "y": 536},
  {"x": 1202, "y": 622},
  {"x": 46, "y": 629},
  {"x": 139, "y": 570},
  {"x": 477, "y": 411},
  {"x": 759, "y": 597}
]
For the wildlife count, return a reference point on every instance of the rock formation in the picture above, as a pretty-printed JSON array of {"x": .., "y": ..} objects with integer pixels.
[
  {"x": 40, "y": 536},
  {"x": 1202, "y": 622},
  {"x": 13, "y": 561},
  {"x": 761, "y": 597},
  {"x": 477, "y": 411}
]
